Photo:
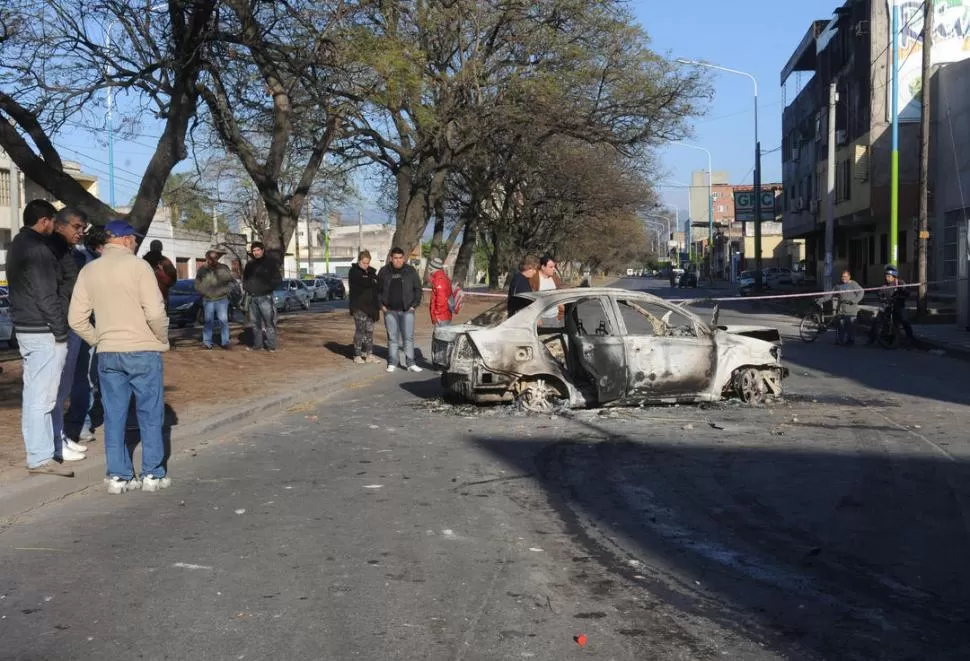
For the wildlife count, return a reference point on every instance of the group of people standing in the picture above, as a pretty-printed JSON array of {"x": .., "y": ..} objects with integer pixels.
[
  {"x": 396, "y": 291},
  {"x": 74, "y": 307},
  {"x": 535, "y": 274}
]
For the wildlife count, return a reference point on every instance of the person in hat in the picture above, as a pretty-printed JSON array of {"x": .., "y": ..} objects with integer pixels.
[
  {"x": 441, "y": 293},
  {"x": 130, "y": 333},
  {"x": 214, "y": 281}
]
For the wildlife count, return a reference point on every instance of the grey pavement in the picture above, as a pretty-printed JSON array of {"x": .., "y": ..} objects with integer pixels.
[{"x": 381, "y": 523}]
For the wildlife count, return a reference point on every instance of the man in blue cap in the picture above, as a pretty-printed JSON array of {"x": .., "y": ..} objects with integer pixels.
[{"x": 130, "y": 332}]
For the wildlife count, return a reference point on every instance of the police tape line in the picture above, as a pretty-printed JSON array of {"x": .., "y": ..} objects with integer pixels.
[
  {"x": 812, "y": 294},
  {"x": 738, "y": 297}
]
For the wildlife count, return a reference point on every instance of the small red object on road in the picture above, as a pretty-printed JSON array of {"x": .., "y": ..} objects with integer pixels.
[{"x": 580, "y": 640}]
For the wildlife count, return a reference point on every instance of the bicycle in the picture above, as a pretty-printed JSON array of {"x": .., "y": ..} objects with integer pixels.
[{"x": 817, "y": 320}]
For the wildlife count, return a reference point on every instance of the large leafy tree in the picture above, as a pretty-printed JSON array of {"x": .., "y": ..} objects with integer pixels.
[
  {"x": 266, "y": 86},
  {"x": 436, "y": 79},
  {"x": 57, "y": 65}
]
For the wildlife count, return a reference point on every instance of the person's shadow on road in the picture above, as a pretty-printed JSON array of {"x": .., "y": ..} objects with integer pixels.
[{"x": 133, "y": 434}]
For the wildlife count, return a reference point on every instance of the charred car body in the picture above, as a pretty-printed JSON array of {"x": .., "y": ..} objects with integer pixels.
[{"x": 604, "y": 347}]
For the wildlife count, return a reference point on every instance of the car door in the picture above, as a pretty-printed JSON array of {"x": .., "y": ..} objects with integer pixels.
[
  {"x": 668, "y": 354},
  {"x": 598, "y": 347}
]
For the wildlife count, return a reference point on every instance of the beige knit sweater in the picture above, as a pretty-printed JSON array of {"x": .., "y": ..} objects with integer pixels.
[{"x": 121, "y": 291}]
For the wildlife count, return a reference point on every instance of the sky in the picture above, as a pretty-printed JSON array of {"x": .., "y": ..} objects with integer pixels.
[
  {"x": 755, "y": 36},
  {"x": 711, "y": 30}
]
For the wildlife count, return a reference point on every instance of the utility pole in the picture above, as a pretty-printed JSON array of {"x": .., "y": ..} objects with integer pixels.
[
  {"x": 360, "y": 230},
  {"x": 296, "y": 238},
  {"x": 924, "y": 158},
  {"x": 830, "y": 189},
  {"x": 309, "y": 237},
  {"x": 757, "y": 195},
  {"x": 894, "y": 153}
]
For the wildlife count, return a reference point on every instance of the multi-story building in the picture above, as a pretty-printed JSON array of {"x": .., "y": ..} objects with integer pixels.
[
  {"x": 16, "y": 191},
  {"x": 852, "y": 51}
]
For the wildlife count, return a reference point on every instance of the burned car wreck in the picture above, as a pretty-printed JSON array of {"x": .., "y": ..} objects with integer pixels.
[{"x": 604, "y": 347}]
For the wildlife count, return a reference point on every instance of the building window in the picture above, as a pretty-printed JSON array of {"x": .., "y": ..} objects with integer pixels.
[
  {"x": 843, "y": 181},
  {"x": 883, "y": 248},
  {"x": 4, "y": 188},
  {"x": 715, "y": 195},
  {"x": 872, "y": 249},
  {"x": 902, "y": 247},
  {"x": 720, "y": 208}
]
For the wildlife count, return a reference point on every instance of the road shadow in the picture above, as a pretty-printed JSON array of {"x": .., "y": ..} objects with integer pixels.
[
  {"x": 133, "y": 434},
  {"x": 812, "y": 553}
]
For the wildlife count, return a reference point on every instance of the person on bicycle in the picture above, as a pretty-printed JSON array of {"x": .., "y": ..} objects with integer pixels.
[
  {"x": 894, "y": 296},
  {"x": 847, "y": 294}
]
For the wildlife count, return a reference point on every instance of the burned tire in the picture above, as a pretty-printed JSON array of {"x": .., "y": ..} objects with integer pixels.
[
  {"x": 750, "y": 386},
  {"x": 539, "y": 395}
]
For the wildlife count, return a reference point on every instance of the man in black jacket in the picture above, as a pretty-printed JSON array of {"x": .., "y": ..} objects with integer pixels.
[
  {"x": 39, "y": 316},
  {"x": 400, "y": 294},
  {"x": 68, "y": 231},
  {"x": 261, "y": 277}
]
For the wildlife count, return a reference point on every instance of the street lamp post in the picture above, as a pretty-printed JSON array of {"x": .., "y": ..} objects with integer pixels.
[
  {"x": 666, "y": 221},
  {"x": 710, "y": 207},
  {"x": 688, "y": 239},
  {"x": 757, "y": 160}
]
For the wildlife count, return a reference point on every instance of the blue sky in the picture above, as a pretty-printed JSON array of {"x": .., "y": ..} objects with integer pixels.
[{"x": 756, "y": 36}]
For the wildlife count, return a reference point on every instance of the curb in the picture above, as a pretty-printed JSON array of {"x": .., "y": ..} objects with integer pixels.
[{"x": 34, "y": 492}]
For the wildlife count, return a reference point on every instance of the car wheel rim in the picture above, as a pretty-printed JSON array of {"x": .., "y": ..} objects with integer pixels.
[
  {"x": 538, "y": 396},
  {"x": 751, "y": 387}
]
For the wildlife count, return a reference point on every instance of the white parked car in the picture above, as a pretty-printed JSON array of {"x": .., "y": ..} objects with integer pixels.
[{"x": 319, "y": 291}]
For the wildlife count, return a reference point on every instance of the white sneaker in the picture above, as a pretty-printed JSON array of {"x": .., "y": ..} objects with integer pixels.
[
  {"x": 359, "y": 360},
  {"x": 85, "y": 436},
  {"x": 119, "y": 485},
  {"x": 76, "y": 447},
  {"x": 391, "y": 368},
  {"x": 415, "y": 368},
  {"x": 152, "y": 483},
  {"x": 67, "y": 454}
]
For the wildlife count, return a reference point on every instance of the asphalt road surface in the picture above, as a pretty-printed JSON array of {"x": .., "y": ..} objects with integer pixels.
[{"x": 380, "y": 523}]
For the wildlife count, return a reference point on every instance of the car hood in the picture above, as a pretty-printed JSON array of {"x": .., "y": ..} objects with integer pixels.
[{"x": 763, "y": 333}]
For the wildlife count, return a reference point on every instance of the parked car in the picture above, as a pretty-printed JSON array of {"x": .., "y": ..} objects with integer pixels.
[
  {"x": 318, "y": 287},
  {"x": 336, "y": 286},
  {"x": 747, "y": 281},
  {"x": 688, "y": 279},
  {"x": 7, "y": 333},
  {"x": 290, "y": 295},
  {"x": 184, "y": 304},
  {"x": 615, "y": 347}
]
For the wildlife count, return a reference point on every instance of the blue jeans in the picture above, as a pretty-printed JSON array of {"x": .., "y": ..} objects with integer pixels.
[
  {"x": 75, "y": 345},
  {"x": 218, "y": 308},
  {"x": 124, "y": 374},
  {"x": 43, "y": 364},
  {"x": 78, "y": 416},
  {"x": 262, "y": 319},
  {"x": 844, "y": 329},
  {"x": 399, "y": 324}
]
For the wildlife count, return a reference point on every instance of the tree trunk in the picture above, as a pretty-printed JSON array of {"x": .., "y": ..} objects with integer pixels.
[
  {"x": 466, "y": 253},
  {"x": 412, "y": 211}
]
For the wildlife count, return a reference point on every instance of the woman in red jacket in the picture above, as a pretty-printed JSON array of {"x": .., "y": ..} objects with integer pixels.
[{"x": 440, "y": 293}]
